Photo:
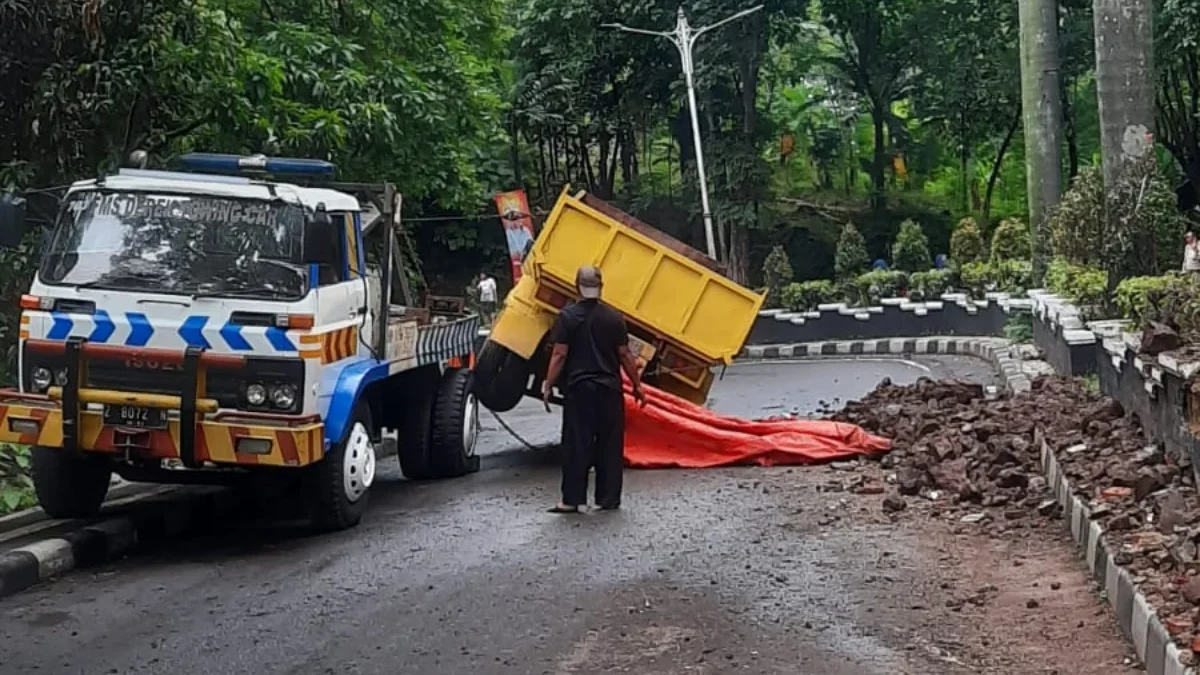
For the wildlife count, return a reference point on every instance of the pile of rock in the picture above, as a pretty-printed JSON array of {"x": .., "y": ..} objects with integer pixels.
[{"x": 964, "y": 452}]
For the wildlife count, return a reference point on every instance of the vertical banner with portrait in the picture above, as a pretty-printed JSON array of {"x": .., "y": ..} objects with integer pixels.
[{"x": 518, "y": 227}]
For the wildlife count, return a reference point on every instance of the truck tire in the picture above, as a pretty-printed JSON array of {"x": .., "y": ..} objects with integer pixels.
[
  {"x": 341, "y": 482},
  {"x": 69, "y": 484},
  {"x": 415, "y": 438},
  {"x": 500, "y": 377},
  {"x": 455, "y": 426}
]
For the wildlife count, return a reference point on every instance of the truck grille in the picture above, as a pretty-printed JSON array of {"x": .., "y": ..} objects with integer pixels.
[{"x": 223, "y": 386}]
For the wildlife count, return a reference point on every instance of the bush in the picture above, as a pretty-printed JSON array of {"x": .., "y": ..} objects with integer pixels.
[
  {"x": 910, "y": 252},
  {"x": 1006, "y": 276},
  {"x": 777, "y": 273},
  {"x": 1145, "y": 229},
  {"x": 1085, "y": 287},
  {"x": 873, "y": 286},
  {"x": 851, "y": 258},
  {"x": 16, "y": 487},
  {"x": 1179, "y": 305},
  {"x": 1019, "y": 328},
  {"x": 1076, "y": 226},
  {"x": 966, "y": 244},
  {"x": 930, "y": 285},
  {"x": 1011, "y": 241},
  {"x": 1140, "y": 299},
  {"x": 807, "y": 295}
]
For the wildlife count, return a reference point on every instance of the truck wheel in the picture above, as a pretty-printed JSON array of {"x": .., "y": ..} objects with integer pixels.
[
  {"x": 341, "y": 482},
  {"x": 68, "y": 484},
  {"x": 455, "y": 426},
  {"x": 500, "y": 377},
  {"x": 415, "y": 438}
]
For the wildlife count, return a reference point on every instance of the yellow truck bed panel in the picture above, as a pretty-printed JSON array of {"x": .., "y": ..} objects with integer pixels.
[{"x": 649, "y": 282}]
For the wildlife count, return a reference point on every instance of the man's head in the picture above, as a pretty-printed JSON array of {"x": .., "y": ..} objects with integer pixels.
[
  {"x": 1190, "y": 238},
  {"x": 589, "y": 282}
]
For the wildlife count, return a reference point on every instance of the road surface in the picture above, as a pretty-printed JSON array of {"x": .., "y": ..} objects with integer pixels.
[{"x": 719, "y": 571}]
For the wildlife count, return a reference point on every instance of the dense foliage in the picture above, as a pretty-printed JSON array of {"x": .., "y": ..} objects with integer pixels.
[
  {"x": 910, "y": 252},
  {"x": 966, "y": 243},
  {"x": 852, "y": 258}
]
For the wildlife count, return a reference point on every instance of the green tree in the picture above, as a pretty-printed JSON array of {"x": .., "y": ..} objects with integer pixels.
[
  {"x": 910, "y": 252},
  {"x": 777, "y": 273},
  {"x": 1011, "y": 241},
  {"x": 851, "y": 258}
]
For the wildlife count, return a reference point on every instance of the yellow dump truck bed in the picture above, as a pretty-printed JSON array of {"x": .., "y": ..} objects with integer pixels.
[{"x": 658, "y": 283}]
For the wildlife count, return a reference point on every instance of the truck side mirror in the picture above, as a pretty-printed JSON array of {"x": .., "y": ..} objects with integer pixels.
[
  {"x": 12, "y": 220},
  {"x": 320, "y": 238}
]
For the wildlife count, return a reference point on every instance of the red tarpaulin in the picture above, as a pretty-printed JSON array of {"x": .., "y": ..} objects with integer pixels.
[{"x": 670, "y": 432}]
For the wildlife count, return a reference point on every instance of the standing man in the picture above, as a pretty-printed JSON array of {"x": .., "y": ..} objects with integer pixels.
[
  {"x": 1191, "y": 253},
  {"x": 487, "y": 296},
  {"x": 591, "y": 346}
]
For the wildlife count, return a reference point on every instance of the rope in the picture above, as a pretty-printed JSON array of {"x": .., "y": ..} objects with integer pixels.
[{"x": 512, "y": 433}]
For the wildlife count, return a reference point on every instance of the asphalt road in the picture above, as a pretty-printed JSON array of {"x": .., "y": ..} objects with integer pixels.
[{"x": 716, "y": 571}]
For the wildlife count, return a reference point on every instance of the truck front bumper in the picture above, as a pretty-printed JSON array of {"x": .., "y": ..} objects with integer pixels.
[{"x": 195, "y": 433}]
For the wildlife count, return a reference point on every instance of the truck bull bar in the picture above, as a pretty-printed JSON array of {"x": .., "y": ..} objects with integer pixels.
[{"x": 192, "y": 401}]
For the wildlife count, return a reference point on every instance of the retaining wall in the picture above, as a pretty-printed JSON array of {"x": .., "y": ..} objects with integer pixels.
[{"x": 955, "y": 314}]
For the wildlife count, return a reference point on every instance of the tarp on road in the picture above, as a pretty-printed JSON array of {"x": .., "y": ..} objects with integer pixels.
[{"x": 670, "y": 432}]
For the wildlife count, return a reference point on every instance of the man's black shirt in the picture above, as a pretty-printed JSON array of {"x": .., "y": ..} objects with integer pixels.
[{"x": 594, "y": 334}]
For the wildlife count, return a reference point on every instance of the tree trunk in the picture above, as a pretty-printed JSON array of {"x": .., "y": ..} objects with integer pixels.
[
  {"x": 1124, "y": 81},
  {"x": 986, "y": 212},
  {"x": 1072, "y": 135},
  {"x": 1041, "y": 102},
  {"x": 1125, "y": 90},
  {"x": 878, "y": 164}
]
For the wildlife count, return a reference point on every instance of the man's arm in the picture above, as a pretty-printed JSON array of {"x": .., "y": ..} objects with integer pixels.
[
  {"x": 629, "y": 363},
  {"x": 559, "y": 337}
]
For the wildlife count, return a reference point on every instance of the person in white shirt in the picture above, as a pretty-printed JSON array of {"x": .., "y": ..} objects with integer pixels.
[
  {"x": 487, "y": 296},
  {"x": 1191, "y": 253}
]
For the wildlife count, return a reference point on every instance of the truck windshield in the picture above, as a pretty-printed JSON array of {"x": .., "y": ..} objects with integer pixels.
[{"x": 179, "y": 244}]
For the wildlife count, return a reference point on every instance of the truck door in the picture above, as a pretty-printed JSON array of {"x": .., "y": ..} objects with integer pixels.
[{"x": 341, "y": 296}]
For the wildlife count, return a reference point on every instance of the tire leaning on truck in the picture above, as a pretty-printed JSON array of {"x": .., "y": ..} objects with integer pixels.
[
  {"x": 69, "y": 484},
  {"x": 501, "y": 377}
]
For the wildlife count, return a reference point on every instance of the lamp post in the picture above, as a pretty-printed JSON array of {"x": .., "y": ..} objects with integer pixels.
[{"x": 684, "y": 38}]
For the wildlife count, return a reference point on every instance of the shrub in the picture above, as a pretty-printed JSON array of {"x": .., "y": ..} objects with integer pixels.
[
  {"x": 1179, "y": 304},
  {"x": 807, "y": 295},
  {"x": 16, "y": 487},
  {"x": 1140, "y": 299},
  {"x": 851, "y": 258},
  {"x": 1144, "y": 225},
  {"x": 930, "y": 285},
  {"x": 873, "y": 286},
  {"x": 1007, "y": 276},
  {"x": 1076, "y": 226},
  {"x": 1019, "y": 328},
  {"x": 966, "y": 244},
  {"x": 777, "y": 273},
  {"x": 1011, "y": 241},
  {"x": 1086, "y": 287},
  {"x": 910, "y": 252}
]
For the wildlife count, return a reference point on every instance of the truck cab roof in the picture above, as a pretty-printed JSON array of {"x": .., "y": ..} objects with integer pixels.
[{"x": 213, "y": 185}]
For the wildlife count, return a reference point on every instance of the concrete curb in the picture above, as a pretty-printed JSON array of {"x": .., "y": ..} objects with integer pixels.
[
  {"x": 107, "y": 540},
  {"x": 20, "y": 519},
  {"x": 997, "y": 351},
  {"x": 1135, "y": 615}
]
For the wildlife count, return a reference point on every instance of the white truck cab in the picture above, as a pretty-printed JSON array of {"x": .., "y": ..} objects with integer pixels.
[{"x": 212, "y": 326}]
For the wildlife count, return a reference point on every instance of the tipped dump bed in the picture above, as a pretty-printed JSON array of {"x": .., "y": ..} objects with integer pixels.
[{"x": 658, "y": 283}]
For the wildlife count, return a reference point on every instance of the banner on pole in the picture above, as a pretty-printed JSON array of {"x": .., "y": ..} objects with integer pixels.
[{"x": 518, "y": 227}]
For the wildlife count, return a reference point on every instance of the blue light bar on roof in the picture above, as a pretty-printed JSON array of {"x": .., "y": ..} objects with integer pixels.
[{"x": 207, "y": 162}]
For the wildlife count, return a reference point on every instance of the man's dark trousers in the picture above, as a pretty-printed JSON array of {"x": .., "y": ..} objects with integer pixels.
[{"x": 593, "y": 435}]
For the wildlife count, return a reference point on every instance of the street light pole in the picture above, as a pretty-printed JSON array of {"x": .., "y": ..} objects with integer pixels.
[{"x": 684, "y": 38}]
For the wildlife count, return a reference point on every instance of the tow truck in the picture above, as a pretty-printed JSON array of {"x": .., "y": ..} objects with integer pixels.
[{"x": 214, "y": 324}]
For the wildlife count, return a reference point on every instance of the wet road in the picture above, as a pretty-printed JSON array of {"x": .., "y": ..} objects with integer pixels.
[{"x": 715, "y": 571}]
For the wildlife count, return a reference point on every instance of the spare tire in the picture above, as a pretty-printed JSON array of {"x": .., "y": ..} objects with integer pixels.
[{"x": 500, "y": 377}]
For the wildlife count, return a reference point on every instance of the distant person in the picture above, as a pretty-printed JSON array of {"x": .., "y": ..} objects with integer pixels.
[
  {"x": 591, "y": 347},
  {"x": 487, "y": 296},
  {"x": 1191, "y": 253},
  {"x": 880, "y": 265},
  {"x": 940, "y": 262}
]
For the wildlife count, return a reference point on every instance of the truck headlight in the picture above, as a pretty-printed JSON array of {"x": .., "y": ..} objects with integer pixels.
[
  {"x": 256, "y": 394},
  {"x": 41, "y": 378},
  {"x": 283, "y": 396}
]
